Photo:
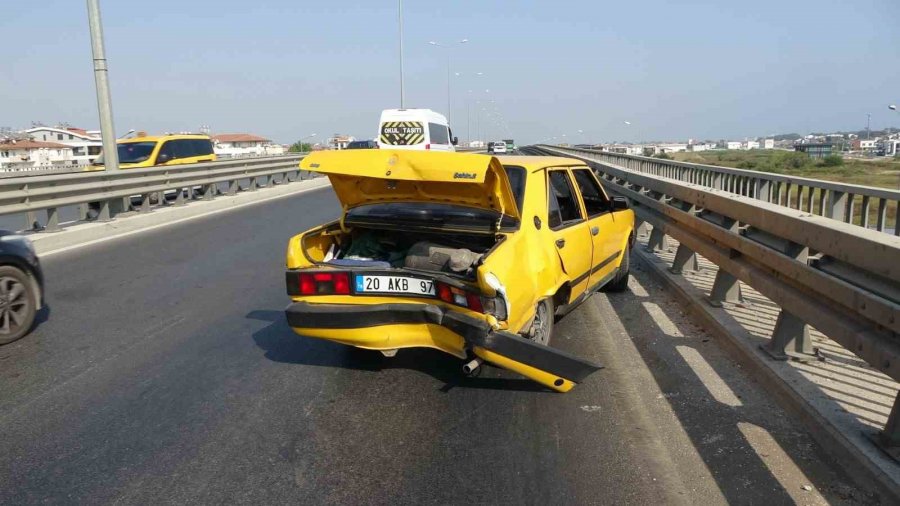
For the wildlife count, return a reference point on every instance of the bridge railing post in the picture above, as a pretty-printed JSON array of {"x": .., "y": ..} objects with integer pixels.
[{"x": 52, "y": 220}]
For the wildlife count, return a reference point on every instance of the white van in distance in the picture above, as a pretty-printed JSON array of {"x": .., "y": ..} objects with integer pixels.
[{"x": 421, "y": 129}]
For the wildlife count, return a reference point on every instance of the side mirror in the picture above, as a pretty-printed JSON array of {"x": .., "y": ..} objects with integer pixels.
[
  {"x": 455, "y": 141},
  {"x": 619, "y": 204},
  {"x": 162, "y": 158}
]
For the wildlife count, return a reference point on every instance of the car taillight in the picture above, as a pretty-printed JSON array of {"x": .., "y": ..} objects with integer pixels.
[
  {"x": 323, "y": 283},
  {"x": 307, "y": 284},
  {"x": 459, "y": 297},
  {"x": 444, "y": 293},
  {"x": 474, "y": 302},
  {"x": 428, "y": 146}
]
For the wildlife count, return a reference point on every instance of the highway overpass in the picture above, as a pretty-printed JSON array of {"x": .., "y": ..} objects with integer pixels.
[{"x": 164, "y": 371}]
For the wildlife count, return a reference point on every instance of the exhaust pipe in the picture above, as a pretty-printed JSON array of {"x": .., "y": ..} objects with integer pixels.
[{"x": 471, "y": 366}]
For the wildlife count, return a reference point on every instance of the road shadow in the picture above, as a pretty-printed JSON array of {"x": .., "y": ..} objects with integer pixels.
[
  {"x": 281, "y": 344},
  {"x": 718, "y": 428}
]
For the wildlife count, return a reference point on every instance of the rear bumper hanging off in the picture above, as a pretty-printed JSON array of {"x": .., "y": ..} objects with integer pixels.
[{"x": 552, "y": 367}]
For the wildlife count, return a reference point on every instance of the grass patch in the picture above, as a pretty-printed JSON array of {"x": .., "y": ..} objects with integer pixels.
[{"x": 883, "y": 173}]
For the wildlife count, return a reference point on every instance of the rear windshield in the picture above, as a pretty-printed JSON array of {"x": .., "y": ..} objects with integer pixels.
[
  {"x": 402, "y": 133},
  {"x": 428, "y": 214},
  {"x": 516, "y": 176}
]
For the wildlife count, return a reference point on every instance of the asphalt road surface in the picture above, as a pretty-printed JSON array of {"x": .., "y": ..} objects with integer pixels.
[{"x": 165, "y": 373}]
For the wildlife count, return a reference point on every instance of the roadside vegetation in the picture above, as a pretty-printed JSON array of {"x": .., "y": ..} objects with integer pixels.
[{"x": 881, "y": 172}]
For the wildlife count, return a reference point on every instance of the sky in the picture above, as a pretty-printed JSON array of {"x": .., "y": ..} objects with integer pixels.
[{"x": 284, "y": 69}]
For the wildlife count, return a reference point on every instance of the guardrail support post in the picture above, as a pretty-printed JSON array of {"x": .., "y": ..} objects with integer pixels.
[
  {"x": 233, "y": 187},
  {"x": 658, "y": 240},
  {"x": 179, "y": 197},
  {"x": 790, "y": 339},
  {"x": 52, "y": 220},
  {"x": 145, "y": 203},
  {"x": 105, "y": 213},
  {"x": 889, "y": 439},
  {"x": 209, "y": 192},
  {"x": 30, "y": 220},
  {"x": 640, "y": 228},
  {"x": 685, "y": 259},
  {"x": 253, "y": 185},
  {"x": 726, "y": 288}
]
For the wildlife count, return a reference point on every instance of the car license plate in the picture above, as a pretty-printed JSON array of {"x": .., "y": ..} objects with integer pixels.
[{"x": 394, "y": 284}]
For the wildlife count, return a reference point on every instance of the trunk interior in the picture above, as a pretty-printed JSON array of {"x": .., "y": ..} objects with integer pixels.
[{"x": 448, "y": 253}]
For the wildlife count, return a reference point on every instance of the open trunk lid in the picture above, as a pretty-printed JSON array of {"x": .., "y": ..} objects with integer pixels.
[{"x": 361, "y": 177}]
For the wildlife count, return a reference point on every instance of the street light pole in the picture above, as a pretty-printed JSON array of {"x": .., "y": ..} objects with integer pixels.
[
  {"x": 101, "y": 78},
  {"x": 448, "y": 48},
  {"x": 400, "y": 23}
]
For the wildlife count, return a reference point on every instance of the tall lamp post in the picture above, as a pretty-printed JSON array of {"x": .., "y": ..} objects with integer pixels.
[
  {"x": 310, "y": 136},
  {"x": 400, "y": 24},
  {"x": 101, "y": 79},
  {"x": 448, "y": 47}
]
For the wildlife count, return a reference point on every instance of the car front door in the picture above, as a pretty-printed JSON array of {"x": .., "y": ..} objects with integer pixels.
[
  {"x": 571, "y": 233},
  {"x": 602, "y": 226}
]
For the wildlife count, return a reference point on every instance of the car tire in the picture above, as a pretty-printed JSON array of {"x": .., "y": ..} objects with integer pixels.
[
  {"x": 18, "y": 304},
  {"x": 542, "y": 325},
  {"x": 620, "y": 282}
]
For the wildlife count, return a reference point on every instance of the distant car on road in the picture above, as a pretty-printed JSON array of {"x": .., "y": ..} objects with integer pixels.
[
  {"x": 21, "y": 286},
  {"x": 461, "y": 253},
  {"x": 151, "y": 151},
  {"x": 499, "y": 148},
  {"x": 362, "y": 145}
]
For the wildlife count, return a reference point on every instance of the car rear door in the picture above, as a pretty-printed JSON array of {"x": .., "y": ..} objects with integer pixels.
[
  {"x": 601, "y": 224},
  {"x": 571, "y": 233}
]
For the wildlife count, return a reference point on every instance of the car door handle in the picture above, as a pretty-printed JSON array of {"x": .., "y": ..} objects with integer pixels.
[
  {"x": 560, "y": 243},
  {"x": 595, "y": 230}
]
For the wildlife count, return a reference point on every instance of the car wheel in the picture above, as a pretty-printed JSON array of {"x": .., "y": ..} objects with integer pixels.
[
  {"x": 542, "y": 325},
  {"x": 17, "y": 304},
  {"x": 620, "y": 282}
]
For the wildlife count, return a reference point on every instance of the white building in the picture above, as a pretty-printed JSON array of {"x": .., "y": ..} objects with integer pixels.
[
  {"x": 244, "y": 145},
  {"x": 867, "y": 143},
  {"x": 891, "y": 147},
  {"x": 702, "y": 147},
  {"x": 670, "y": 148},
  {"x": 24, "y": 155},
  {"x": 768, "y": 144},
  {"x": 86, "y": 145},
  {"x": 750, "y": 145},
  {"x": 338, "y": 141},
  {"x": 732, "y": 145}
]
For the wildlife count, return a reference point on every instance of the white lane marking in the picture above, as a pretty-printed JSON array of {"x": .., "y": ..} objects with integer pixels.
[
  {"x": 662, "y": 321},
  {"x": 636, "y": 287},
  {"x": 709, "y": 377},
  {"x": 591, "y": 409},
  {"x": 175, "y": 222}
]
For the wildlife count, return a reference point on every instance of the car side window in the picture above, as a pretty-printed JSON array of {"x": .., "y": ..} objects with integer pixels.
[
  {"x": 562, "y": 200},
  {"x": 595, "y": 200},
  {"x": 438, "y": 134},
  {"x": 168, "y": 149}
]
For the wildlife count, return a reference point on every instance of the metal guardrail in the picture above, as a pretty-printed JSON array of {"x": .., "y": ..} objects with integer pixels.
[
  {"x": 110, "y": 193},
  {"x": 866, "y": 206},
  {"x": 840, "y": 278}
]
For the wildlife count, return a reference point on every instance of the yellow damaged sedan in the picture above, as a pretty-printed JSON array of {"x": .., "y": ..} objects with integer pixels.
[{"x": 470, "y": 254}]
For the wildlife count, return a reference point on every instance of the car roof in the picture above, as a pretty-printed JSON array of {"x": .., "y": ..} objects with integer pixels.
[
  {"x": 153, "y": 138},
  {"x": 540, "y": 162}
]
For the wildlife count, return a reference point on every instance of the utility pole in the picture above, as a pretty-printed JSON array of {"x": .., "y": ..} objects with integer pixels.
[
  {"x": 101, "y": 78},
  {"x": 400, "y": 19},
  {"x": 868, "y": 121}
]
